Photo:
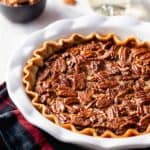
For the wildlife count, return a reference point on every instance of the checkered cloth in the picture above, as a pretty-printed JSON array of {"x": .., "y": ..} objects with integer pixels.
[{"x": 17, "y": 134}]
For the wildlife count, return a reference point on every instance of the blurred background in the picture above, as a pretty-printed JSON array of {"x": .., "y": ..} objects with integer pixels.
[{"x": 13, "y": 33}]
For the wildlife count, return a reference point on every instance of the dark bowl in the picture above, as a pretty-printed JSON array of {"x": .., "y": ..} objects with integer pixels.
[{"x": 23, "y": 13}]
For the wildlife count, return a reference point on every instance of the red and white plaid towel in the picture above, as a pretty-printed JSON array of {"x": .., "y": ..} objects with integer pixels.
[{"x": 17, "y": 134}]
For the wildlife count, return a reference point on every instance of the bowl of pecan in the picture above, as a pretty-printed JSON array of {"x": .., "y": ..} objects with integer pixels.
[
  {"x": 86, "y": 81},
  {"x": 22, "y": 10}
]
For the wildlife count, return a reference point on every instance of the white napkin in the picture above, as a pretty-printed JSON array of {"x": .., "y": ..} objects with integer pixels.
[{"x": 139, "y": 9}]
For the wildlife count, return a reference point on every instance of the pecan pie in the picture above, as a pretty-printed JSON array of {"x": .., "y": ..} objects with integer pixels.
[{"x": 96, "y": 84}]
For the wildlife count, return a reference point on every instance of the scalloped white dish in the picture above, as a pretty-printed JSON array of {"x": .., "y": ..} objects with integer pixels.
[{"x": 123, "y": 26}]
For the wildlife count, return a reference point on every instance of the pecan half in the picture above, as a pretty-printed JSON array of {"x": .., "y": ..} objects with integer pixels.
[
  {"x": 66, "y": 92},
  {"x": 80, "y": 121},
  {"x": 103, "y": 101},
  {"x": 145, "y": 121},
  {"x": 79, "y": 81}
]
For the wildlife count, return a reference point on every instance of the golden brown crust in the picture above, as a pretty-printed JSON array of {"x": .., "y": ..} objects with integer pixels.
[{"x": 49, "y": 48}]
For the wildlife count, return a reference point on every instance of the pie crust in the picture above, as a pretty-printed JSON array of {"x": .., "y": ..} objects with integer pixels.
[{"x": 51, "y": 47}]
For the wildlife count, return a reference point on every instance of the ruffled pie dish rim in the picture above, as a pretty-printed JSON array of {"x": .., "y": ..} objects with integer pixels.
[{"x": 49, "y": 48}]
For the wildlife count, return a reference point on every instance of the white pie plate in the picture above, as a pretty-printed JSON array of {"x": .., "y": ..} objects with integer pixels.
[{"x": 121, "y": 25}]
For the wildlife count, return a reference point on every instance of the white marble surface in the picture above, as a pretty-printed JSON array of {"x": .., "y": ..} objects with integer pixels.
[{"x": 11, "y": 34}]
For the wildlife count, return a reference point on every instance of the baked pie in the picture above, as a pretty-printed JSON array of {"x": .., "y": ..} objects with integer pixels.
[{"x": 92, "y": 84}]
